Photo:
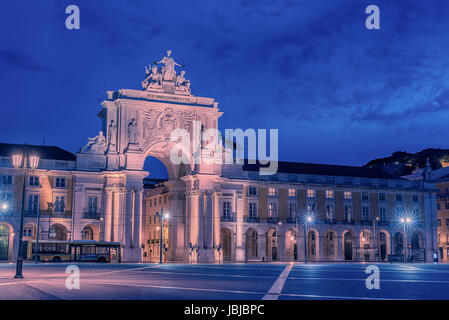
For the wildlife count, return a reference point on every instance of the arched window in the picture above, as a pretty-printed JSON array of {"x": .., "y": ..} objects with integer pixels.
[{"x": 88, "y": 233}]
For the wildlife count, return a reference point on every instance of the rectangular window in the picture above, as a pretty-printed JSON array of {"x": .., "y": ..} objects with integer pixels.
[
  {"x": 60, "y": 183},
  {"x": 329, "y": 194},
  {"x": 438, "y": 206},
  {"x": 7, "y": 180},
  {"x": 59, "y": 204},
  {"x": 33, "y": 203},
  {"x": 399, "y": 197},
  {"x": 382, "y": 196},
  {"x": 291, "y": 210},
  {"x": 252, "y": 209},
  {"x": 446, "y": 205},
  {"x": 439, "y": 223},
  {"x": 165, "y": 199},
  {"x": 348, "y": 213},
  {"x": 415, "y": 198},
  {"x": 92, "y": 205},
  {"x": 34, "y": 181},
  {"x": 252, "y": 191},
  {"x": 226, "y": 209},
  {"x": 382, "y": 213},
  {"x": 447, "y": 222},
  {"x": 330, "y": 212},
  {"x": 272, "y": 210},
  {"x": 310, "y": 194},
  {"x": 5, "y": 197},
  {"x": 292, "y": 193},
  {"x": 365, "y": 213},
  {"x": 348, "y": 195},
  {"x": 365, "y": 196},
  {"x": 272, "y": 192}
]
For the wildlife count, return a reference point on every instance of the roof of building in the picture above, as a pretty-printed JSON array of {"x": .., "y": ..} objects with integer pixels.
[
  {"x": 44, "y": 152},
  {"x": 324, "y": 169}
]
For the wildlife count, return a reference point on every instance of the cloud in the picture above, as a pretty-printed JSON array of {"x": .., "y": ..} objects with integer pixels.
[{"x": 21, "y": 60}]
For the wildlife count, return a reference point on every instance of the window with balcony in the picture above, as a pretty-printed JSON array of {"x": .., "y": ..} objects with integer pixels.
[
  {"x": 365, "y": 196},
  {"x": 310, "y": 194},
  {"x": 33, "y": 181},
  {"x": 291, "y": 193},
  {"x": 399, "y": 197},
  {"x": 347, "y": 195},
  {"x": 439, "y": 222},
  {"x": 7, "y": 180},
  {"x": 329, "y": 194},
  {"x": 226, "y": 213},
  {"x": 59, "y": 206},
  {"x": 92, "y": 205},
  {"x": 382, "y": 196},
  {"x": 348, "y": 213},
  {"x": 272, "y": 210},
  {"x": 252, "y": 210},
  {"x": 446, "y": 205},
  {"x": 330, "y": 213},
  {"x": 291, "y": 210},
  {"x": 272, "y": 192},
  {"x": 382, "y": 214},
  {"x": 415, "y": 198},
  {"x": 252, "y": 191},
  {"x": 60, "y": 182},
  {"x": 33, "y": 204},
  {"x": 365, "y": 214}
]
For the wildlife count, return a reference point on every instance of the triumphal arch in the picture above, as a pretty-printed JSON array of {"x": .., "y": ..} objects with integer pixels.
[{"x": 137, "y": 124}]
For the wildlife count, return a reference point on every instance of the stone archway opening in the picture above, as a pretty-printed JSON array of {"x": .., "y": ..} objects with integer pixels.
[
  {"x": 272, "y": 245},
  {"x": 330, "y": 245},
  {"x": 5, "y": 241},
  {"x": 348, "y": 245},
  {"x": 251, "y": 239},
  {"x": 58, "y": 232},
  {"x": 291, "y": 245},
  {"x": 312, "y": 245},
  {"x": 226, "y": 244},
  {"x": 156, "y": 168}
]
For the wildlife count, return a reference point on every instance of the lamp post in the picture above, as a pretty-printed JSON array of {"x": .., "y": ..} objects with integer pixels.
[
  {"x": 162, "y": 217},
  {"x": 17, "y": 163},
  {"x": 405, "y": 221}
]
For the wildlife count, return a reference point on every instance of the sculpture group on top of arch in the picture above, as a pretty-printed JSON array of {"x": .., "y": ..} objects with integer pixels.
[{"x": 162, "y": 77}]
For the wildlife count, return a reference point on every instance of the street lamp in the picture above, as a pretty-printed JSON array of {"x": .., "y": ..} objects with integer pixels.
[
  {"x": 17, "y": 163},
  {"x": 405, "y": 222},
  {"x": 4, "y": 207},
  {"x": 162, "y": 217}
]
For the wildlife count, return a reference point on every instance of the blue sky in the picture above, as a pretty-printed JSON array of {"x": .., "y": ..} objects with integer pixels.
[{"x": 337, "y": 92}]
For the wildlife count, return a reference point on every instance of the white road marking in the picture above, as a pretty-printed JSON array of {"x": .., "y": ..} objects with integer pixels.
[
  {"x": 125, "y": 270},
  {"x": 276, "y": 288},
  {"x": 383, "y": 280},
  {"x": 175, "y": 288},
  {"x": 336, "y": 297}
]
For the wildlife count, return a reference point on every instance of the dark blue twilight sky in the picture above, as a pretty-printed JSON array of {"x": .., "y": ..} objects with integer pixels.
[{"x": 338, "y": 92}]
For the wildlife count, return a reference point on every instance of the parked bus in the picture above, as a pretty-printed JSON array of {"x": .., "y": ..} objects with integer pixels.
[{"x": 79, "y": 251}]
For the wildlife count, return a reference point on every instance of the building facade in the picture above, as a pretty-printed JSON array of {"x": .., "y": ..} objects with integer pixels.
[
  {"x": 216, "y": 212},
  {"x": 442, "y": 185}
]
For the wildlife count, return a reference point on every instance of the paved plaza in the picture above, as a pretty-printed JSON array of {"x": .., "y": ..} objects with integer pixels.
[{"x": 226, "y": 281}]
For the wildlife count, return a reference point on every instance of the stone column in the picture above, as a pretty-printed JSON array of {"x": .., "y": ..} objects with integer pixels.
[
  {"x": 107, "y": 215},
  {"x": 216, "y": 225},
  {"x": 239, "y": 245}
]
